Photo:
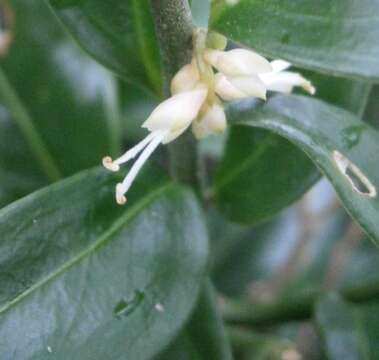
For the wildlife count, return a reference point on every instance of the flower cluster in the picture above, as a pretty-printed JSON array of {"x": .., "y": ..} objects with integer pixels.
[{"x": 198, "y": 91}]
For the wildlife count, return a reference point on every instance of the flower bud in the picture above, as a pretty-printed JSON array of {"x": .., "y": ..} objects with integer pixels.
[
  {"x": 239, "y": 87},
  {"x": 237, "y": 62},
  {"x": 216, "y": 41},
  {"x": 185, "y": 79},
  {"x": 176, "y": 113},
  {"x": 284, "y": 81},
  {"x": 212, "y": 122}
]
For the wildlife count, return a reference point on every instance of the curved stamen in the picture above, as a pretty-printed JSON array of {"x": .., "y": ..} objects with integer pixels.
[
  {"x": 123, "y": 187},
  {"x": 114, "y": 165}
]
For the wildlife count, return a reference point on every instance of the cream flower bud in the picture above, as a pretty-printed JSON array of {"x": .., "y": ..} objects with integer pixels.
[
  {"x": 212, "y": 122},
  {"x": 185, "y": 79},
  {"x": 175, "y": 114},
  {"x": 284, "y": 81},
  {"x": 239, "y": 87},
  {"x": 237, "y": 62},
  {"x": 171, "y": 118}
]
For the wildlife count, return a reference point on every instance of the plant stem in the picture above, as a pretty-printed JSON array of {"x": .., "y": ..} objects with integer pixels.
[
  {"x": 173, "y": 23},
  {"x": 289, "y": 309},
  {"x": 26, "y": 126}
]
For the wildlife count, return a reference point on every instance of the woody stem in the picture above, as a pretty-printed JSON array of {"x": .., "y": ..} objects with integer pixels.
[{"x": 173, "y": 23}]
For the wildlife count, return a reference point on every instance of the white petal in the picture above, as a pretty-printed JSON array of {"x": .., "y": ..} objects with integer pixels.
[
  {"x": 280, "y": 65},
  {"x": 239, "y": 87},
  {"x": 226, "y": 90},
  {"x": 185, "y": 79},
  {"x": 250, "y": 85},
  {"x": 176, "y": 113},
  {"x": 212, "y": 122},
  {"x": 285, "y": 81},
  {"x": 237, "y": 62}
]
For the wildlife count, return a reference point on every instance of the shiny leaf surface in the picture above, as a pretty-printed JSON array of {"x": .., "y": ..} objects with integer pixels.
[
  {"x": 120, "y": 35},
  {"x": 343, "y": 147},
  {"x": 336, "y": 37},
  {"x": 68, "y": 98},
  {"x": 256, "y": 157},
  {"x": 82, "y": 277}
]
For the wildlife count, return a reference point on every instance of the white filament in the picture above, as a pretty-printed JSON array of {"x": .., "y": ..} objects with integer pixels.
[
  {"x": 135, "y": 150},
  {"x": 157, "y": 138}
]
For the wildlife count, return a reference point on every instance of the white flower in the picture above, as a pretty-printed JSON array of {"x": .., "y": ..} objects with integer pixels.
[
  {"x": 186, "y": 79},
  {"x": 284, "y": 81},
  {"x": 169, "y": 120},
  {"x": 237, "y": 62},
  {"x": 239, "y": 87},
  {"x": 212, "y": 122}
]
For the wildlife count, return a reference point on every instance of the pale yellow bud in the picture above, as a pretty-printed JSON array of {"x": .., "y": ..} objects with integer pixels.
[
  {"x": 212, "y": 122},
  {"x": 186, "y": 79},
  {"x": 239, "y": 87},
  {"x": 237, "y": 62},
  {"x": 175, "y": 114}
]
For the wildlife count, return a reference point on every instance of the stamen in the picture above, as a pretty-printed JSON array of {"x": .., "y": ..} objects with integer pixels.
[
  {"x": 123, "y": 187},
  {"x": 111, "y": 165}
]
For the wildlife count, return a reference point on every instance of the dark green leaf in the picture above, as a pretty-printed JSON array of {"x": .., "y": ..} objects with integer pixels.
[
  {"x": 260, "y": 174},
  {"x": 51, "y": 90},
  {"x": 119, "y": 34},
  {"x": 204, "y": 336},
  {"x": 275, "y": 172},
  {"x": 82, "y": 277},
  {"x": 350, "y": 331},
  {"x": 372, "y": 110},
  {"x": 338, "y": 37},
  {"x": 343, "y": 147}
]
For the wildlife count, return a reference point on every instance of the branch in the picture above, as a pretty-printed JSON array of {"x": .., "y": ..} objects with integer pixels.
[{"x": 173, "y": 23}]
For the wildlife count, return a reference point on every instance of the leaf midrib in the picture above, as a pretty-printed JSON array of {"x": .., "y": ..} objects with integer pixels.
[{"x": 102, "y": 240}]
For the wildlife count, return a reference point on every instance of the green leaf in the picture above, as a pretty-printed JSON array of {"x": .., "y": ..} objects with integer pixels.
[
  {"x": 204, "y": 336},
  {"x": 336, "y": 141},
  {"x": 260, "y": 174},
  {"x": 350, "y": 331},
  {"x": 372, "y": 110},
  {"x": 119, "y": 34},
  {"x": 254, "y": 158},
  {"x": 59, "y": 105},
  {"x": 337, "y": 37},
  {"x": 82, "y": 277}
]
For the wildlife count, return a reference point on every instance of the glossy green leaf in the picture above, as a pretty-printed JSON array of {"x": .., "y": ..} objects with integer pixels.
[
  {"x": 254, "y": 158},
  {"x": 82, "y": 277},
  {"x": 119, "y": 34},
  {"x": 342, "y": 146},
  {"x": 349, "y": 331},
  {"x": 372, "y": 110},
  {"x": 204, "y": 337},
  {"x": 51, "y": 90},
  {"x": 338, "y": 37}
]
